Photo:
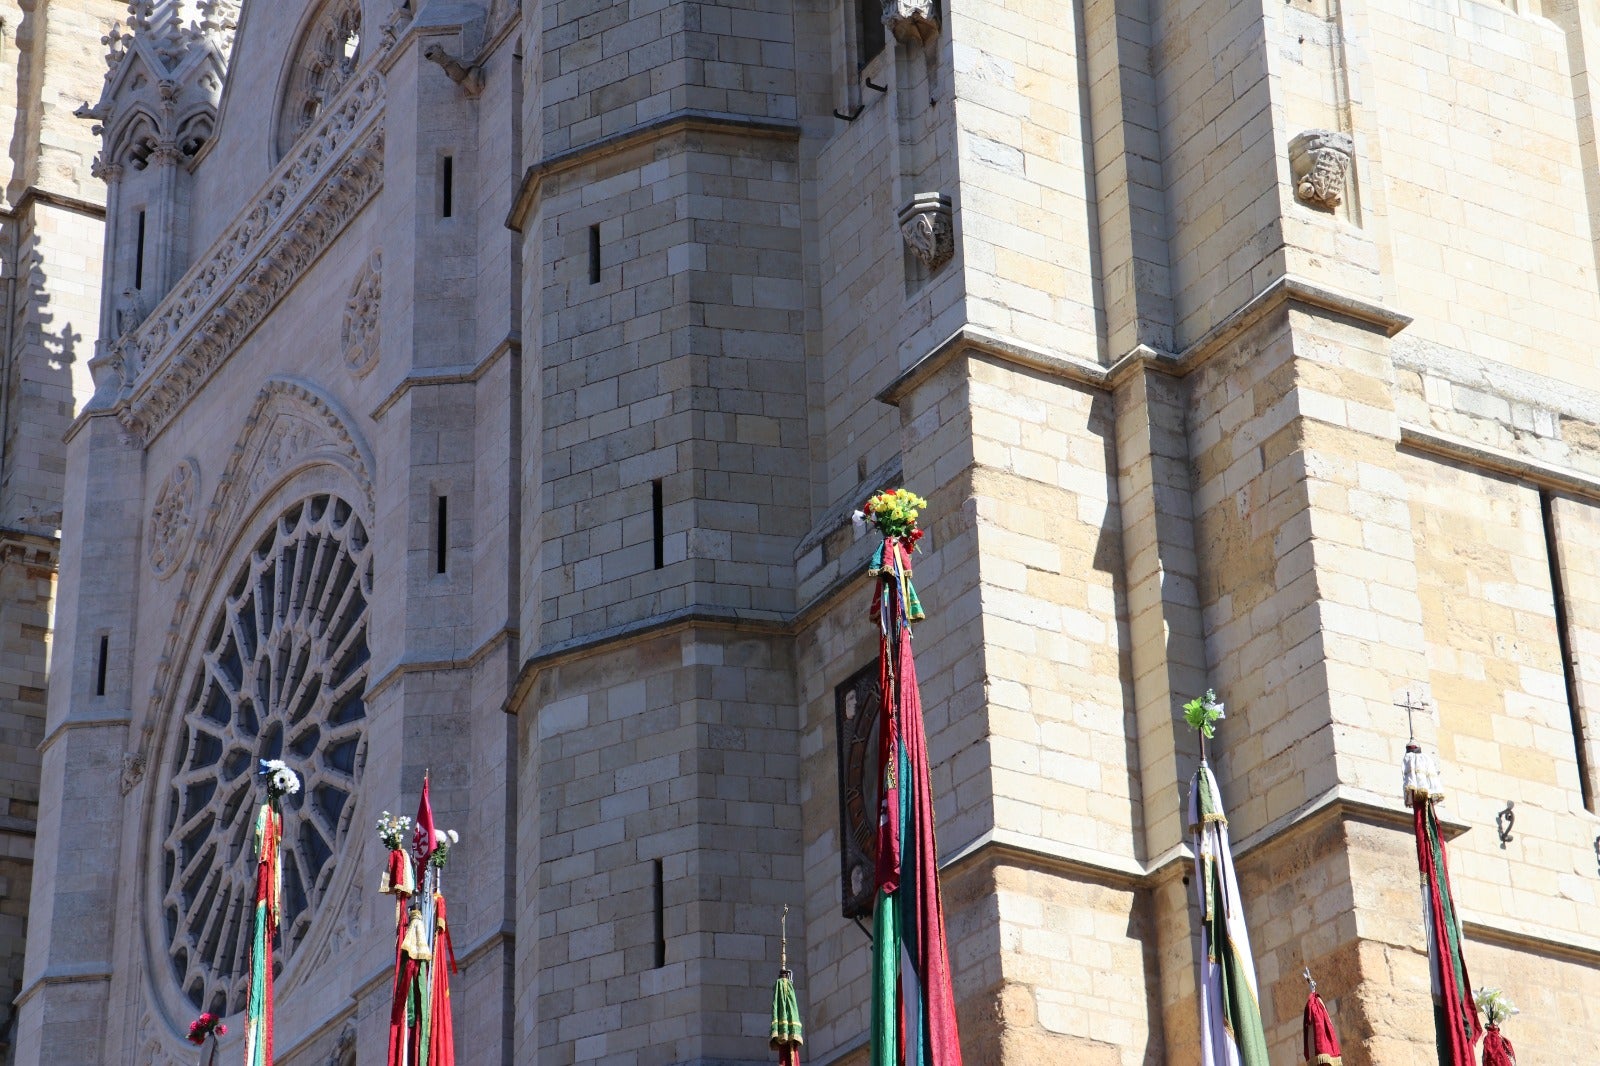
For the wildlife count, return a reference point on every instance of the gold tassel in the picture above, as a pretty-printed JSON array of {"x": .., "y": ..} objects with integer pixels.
[{"x": 415, "y": 943}]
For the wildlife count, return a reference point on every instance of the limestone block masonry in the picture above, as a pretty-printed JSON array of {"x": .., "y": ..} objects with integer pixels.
[{"x": 483, "y": 390}]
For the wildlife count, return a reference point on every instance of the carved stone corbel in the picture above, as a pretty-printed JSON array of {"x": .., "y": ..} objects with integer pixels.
[
  {"x": 470, "y": 78},
  {"x": 1319, "y": 161},
  {"x": 925, "y": 224},
  {"x": 912, "y": 21}
]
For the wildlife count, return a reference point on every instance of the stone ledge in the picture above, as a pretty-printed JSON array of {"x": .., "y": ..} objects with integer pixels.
[
  {"x": 35, "y": 195},
  {"x": 1338, "y": 802},
  {"x": 1287, "y": 289},
  {"x": 117, "y": 719},
  {"x": 504, "y": 635},
  {"x": 685, "y": 121},
  {"x": 1518, "y": 936},
  {"x": 1118, "y": 870},
  {"x": 81, "y": 974},
  {"x": 565, "y": 651},
  {"x": 459, "y": 374},
  {"x": 1539, "y": 473}
]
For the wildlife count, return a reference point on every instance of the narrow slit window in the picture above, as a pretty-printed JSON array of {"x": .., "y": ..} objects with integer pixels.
[
  {"x": 661, "y": 915},
  {"x": 138, "y": 256},
  {"x": 1564, "y": 643},
  {"x": 441, "y": 535},
  {"x": 659, "y": 526},
  {"x": 594, "y": 255},
  {"x": 100, "y": 666},
  {"x": 447, "y": 181},
  {"x": 869, "y": 31}
]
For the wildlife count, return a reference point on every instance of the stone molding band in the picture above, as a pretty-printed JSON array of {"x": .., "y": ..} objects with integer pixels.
[
  {"x": 474, "y": 658},
  {"x": 34, "y": 195},
  {"x": 1544, "y": 475},
  {"x": 121, "y": 720},
  {"x": 458, "y": 374},
  {"x": 1287, "y": 289},
  {"x": 84, "y": 974},
  {"x": 686, "y": 121}
]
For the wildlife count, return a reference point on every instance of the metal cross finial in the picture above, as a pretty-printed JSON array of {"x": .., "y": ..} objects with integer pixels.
[{"x": 1412, "y": 706}]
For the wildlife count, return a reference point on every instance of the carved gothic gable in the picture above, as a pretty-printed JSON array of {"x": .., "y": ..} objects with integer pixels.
[
  {"x": 165, "y": 69},
  {"x": 292, "y": 427}
]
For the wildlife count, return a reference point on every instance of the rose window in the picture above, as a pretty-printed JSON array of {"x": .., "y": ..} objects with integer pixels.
[
  {"x": 283, "y": 676},
  {"x": 324, "y": 62}
]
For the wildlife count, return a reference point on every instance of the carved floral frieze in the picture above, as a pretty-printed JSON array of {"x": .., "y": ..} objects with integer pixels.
[
  {"x": 172, "y": 518},
  {"x": 331, "y": 174},
  {"x": 1319, "y": 161}
]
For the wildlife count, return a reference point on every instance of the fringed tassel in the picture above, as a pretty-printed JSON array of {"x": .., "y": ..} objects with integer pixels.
[
  {"x": 1421, "y": 778},
  {"x": 1497, "y": 1050}
]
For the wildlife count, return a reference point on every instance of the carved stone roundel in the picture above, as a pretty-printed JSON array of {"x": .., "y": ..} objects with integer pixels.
[
  {"x": 283, "y": 675},
  {"x": 361, "y": 317},
  {"x": 172, "y": 518}
]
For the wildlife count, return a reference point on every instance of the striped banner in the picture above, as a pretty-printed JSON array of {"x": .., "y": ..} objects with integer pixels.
[
  {"x": 1231, "y": 1033},
  {"x": 913, "y": 999},
  {"x": 269, "y": 893},
  {"x": 1455, "y": 1015}
]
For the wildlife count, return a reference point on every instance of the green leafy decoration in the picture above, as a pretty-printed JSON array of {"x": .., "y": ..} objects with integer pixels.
[{"x": 1202, "y": 713}]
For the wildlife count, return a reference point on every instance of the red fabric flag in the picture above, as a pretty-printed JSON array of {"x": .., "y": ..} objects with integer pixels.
[
  {"x": 1456, "y": 1024},
  {"x": 405, "y": 972},
  {"x": 929, "y": 953},
  {"x": 442, "y": 1038},
  {"x": 1322, "y": 1040},
  {"x": 426, "y": 838},
  {"x": 1497, "y": 1049}
]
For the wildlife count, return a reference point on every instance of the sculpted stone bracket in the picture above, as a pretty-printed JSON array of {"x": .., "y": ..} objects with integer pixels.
[
  {"x": 317, "y": 189},
  {"x": 1319, "y": 161},
  {"x": 925, "y": 224},
  {"x": 912, "y": 21}
]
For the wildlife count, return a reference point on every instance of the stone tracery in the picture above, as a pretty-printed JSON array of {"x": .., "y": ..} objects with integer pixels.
[
  {"x": 283, "y": 675},
  {"x": 325, "y": 62}
]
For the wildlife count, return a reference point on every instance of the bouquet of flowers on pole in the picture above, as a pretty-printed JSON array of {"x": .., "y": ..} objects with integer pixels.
[
  {"x": 421, "y": 1032},
  {"x": 203, "y": 1033},
  {"x": 913, "y": 999}
]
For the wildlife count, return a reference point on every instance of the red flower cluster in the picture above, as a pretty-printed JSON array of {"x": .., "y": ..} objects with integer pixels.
[{"x": 204, "y": 1026}]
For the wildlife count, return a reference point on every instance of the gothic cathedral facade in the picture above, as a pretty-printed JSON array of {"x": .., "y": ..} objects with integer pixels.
[{"x": 483, "y": 389}]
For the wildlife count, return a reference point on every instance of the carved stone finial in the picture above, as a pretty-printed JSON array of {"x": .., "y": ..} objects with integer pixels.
[
  {"x": 1319, "y": 160},
  {"x": 911, "y": 21},
  {"x": 925, "y": 224}
]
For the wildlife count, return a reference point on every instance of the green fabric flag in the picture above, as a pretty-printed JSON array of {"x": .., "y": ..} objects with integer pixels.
[
  {"x": 1230, "y": 1010},
  {"x": 786, "y": 1028}
]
